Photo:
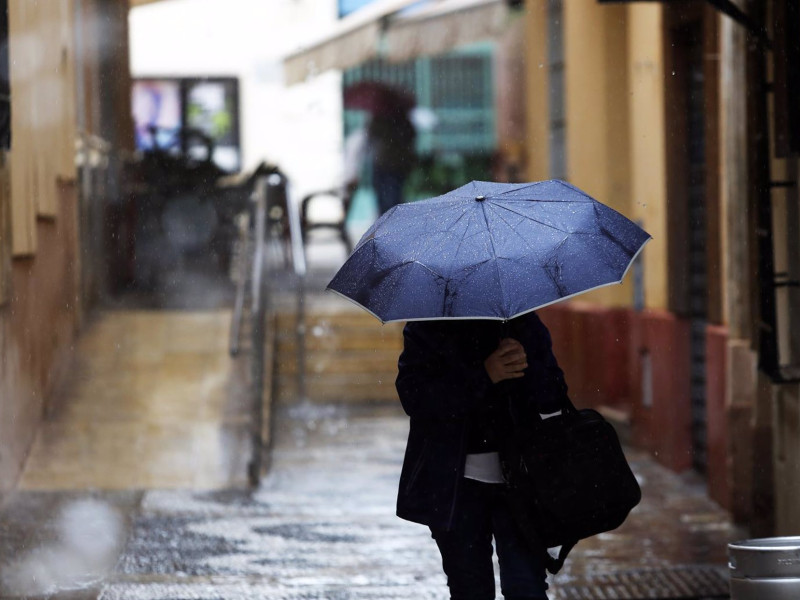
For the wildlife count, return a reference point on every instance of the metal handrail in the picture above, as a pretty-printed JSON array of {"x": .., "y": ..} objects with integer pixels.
[
  {"x": 300, "y": 269},
  {"x": 260, "y": 299},
  {"x": 240, "y": 265},
  {"x": 259, "y": 313}
]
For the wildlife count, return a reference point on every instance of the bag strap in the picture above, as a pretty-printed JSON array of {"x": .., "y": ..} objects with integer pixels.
[
  {"x": 566, "y": 405},
  {"x": 553, "y": 565}
]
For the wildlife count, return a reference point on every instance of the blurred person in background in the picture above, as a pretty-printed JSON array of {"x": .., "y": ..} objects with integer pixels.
[{"x": 391, "y": 139}]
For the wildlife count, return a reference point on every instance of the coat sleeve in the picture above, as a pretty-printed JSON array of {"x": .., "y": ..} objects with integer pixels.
[
  {"x": 544, "y": 379},
  {"x": 434, "y": 381}
]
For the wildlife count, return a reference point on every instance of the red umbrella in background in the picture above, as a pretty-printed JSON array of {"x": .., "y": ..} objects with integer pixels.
[{"x": 377, "y": 97}]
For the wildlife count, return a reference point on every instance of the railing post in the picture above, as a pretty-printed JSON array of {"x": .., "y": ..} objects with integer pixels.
[
  {"x": 259, "y": 311},
  {"x": 299, "y": 265}
]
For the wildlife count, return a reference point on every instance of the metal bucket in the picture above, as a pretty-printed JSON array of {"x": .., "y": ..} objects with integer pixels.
[{"x": 765, "y": 569}]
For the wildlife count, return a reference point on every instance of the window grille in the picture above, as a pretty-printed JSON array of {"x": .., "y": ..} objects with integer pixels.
[{"x": 457, "y": 87}]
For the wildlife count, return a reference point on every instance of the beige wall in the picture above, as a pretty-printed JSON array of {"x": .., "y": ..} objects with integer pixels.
[
  {"x": 510, "y": 106},
  {"x": 37, "y": 330},
  {"x": 614, "y": 90},
  {"x": 536, "y": 113},
  {"x": 42, "y": 79},
  {"x": 735, "y": 217},
  {"x": 648, "y": 167},
  {"x": 597, "y": 114},
  {"x": 40, "y": 264}
]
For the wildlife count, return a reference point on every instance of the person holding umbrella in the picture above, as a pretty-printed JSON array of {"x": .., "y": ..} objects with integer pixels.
[
  {"x": 467, "y": 270},
  {"x": 460, "y": 382}
]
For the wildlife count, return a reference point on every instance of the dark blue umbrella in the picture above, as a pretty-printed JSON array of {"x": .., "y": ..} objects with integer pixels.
[{"x": 488, "y": 251}]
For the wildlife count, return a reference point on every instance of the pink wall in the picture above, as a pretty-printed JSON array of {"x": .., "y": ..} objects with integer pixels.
[
  {"x": 603, "y": 352},
  {"x": 591, "y": 344},
  {"x": 662, "y": 421}
]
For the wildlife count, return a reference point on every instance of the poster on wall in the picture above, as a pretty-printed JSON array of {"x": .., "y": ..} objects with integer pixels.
[
  {"x": 194, "y": 117},
  {"x": 157, "y": 111},
  {"x": 210, "y": 108}
]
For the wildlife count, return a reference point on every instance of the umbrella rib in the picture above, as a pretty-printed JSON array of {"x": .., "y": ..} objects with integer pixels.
[
  {"x": 465, "y": 196},
  {"x": 606, "y": 233},
  {"x": 494, "y": 252},
  {"x": 443, "y": 240},
  {"x": 566, "y": 184},
  {"x": 558, "y": 181},
  {"x": 466, "y": 231},
  {"x": 426, "y": 267},
  {"x": 561, "y": 289},
  {"x": 520, "y": 188},
  {"x": 530, "y": 218},
  {"x": 517, "y": 233}
]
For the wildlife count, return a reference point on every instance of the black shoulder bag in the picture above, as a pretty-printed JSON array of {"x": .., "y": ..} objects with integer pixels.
[{"x": 568, "y": 479}]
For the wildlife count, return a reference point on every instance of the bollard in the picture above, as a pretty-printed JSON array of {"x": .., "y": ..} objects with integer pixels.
[{"x": 765, "y": 569}]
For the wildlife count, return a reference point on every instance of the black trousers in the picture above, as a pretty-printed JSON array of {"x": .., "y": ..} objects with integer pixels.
[{"x": 483, "y": 513}]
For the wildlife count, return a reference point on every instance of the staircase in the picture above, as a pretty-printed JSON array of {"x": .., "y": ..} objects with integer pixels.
[{"x": 349, "y": 356}]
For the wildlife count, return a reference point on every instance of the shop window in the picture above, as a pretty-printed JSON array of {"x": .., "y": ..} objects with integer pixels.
[{"x": 189, "y": 116}]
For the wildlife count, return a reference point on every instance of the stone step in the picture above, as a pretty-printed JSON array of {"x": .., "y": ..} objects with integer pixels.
[
  {"x": 354, "y": 342},
  {"x": 339, "y": 389},
  {"x": 350, "y": 357},
  {"x": 337, "y": 319},
  {"x": 331, "y": 363}
]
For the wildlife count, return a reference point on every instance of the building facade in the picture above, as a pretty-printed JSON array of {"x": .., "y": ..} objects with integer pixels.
[
  {"x": 663, "y": 112},
  {"x": 68, "y": 78}
]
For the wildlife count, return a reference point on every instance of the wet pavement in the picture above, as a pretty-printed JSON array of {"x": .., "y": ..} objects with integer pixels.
[
  {"x": 320, "y": 526},
  {"x": 152, "y": 401}
]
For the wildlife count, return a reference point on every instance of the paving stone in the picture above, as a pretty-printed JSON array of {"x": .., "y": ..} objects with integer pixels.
[{"x": 321, "y": 525}]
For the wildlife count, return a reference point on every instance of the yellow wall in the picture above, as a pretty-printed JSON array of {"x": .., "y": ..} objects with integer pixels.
[
  {"x": 596, "y": 114},
  {"x": 648, "y": 142},
  {"x": 536, "y": 119},
  {"x": 614, "y": 119}
]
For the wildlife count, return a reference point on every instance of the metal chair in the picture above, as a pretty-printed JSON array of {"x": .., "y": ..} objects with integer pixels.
[{"x": 344, "y": 196}]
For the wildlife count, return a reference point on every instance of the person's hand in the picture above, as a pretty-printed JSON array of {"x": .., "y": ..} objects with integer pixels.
[{"x": 507, "y": 362}]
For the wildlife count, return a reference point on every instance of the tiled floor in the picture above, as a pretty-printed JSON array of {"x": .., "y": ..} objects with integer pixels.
[{"x": 153, "y": 402}]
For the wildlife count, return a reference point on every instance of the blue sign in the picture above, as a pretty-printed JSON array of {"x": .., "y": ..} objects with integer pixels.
[{"x": 349, "y": 6}]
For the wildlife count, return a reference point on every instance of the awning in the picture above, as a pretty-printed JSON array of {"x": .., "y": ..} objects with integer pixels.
[
  {"x": 397, "y": 30},
  {"x": 443, "y": 26},
  {"x": 134, "y": 3},
  {"x": 351, "y": 41}
]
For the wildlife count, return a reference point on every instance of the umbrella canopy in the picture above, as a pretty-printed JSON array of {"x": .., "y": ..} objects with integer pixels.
[
  {"x": 488, "y": 251},
  {"x": 377, "y": 97}
]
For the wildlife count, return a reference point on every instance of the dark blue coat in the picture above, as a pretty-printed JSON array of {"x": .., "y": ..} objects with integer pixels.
[{"x": 444, "y": 387}]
